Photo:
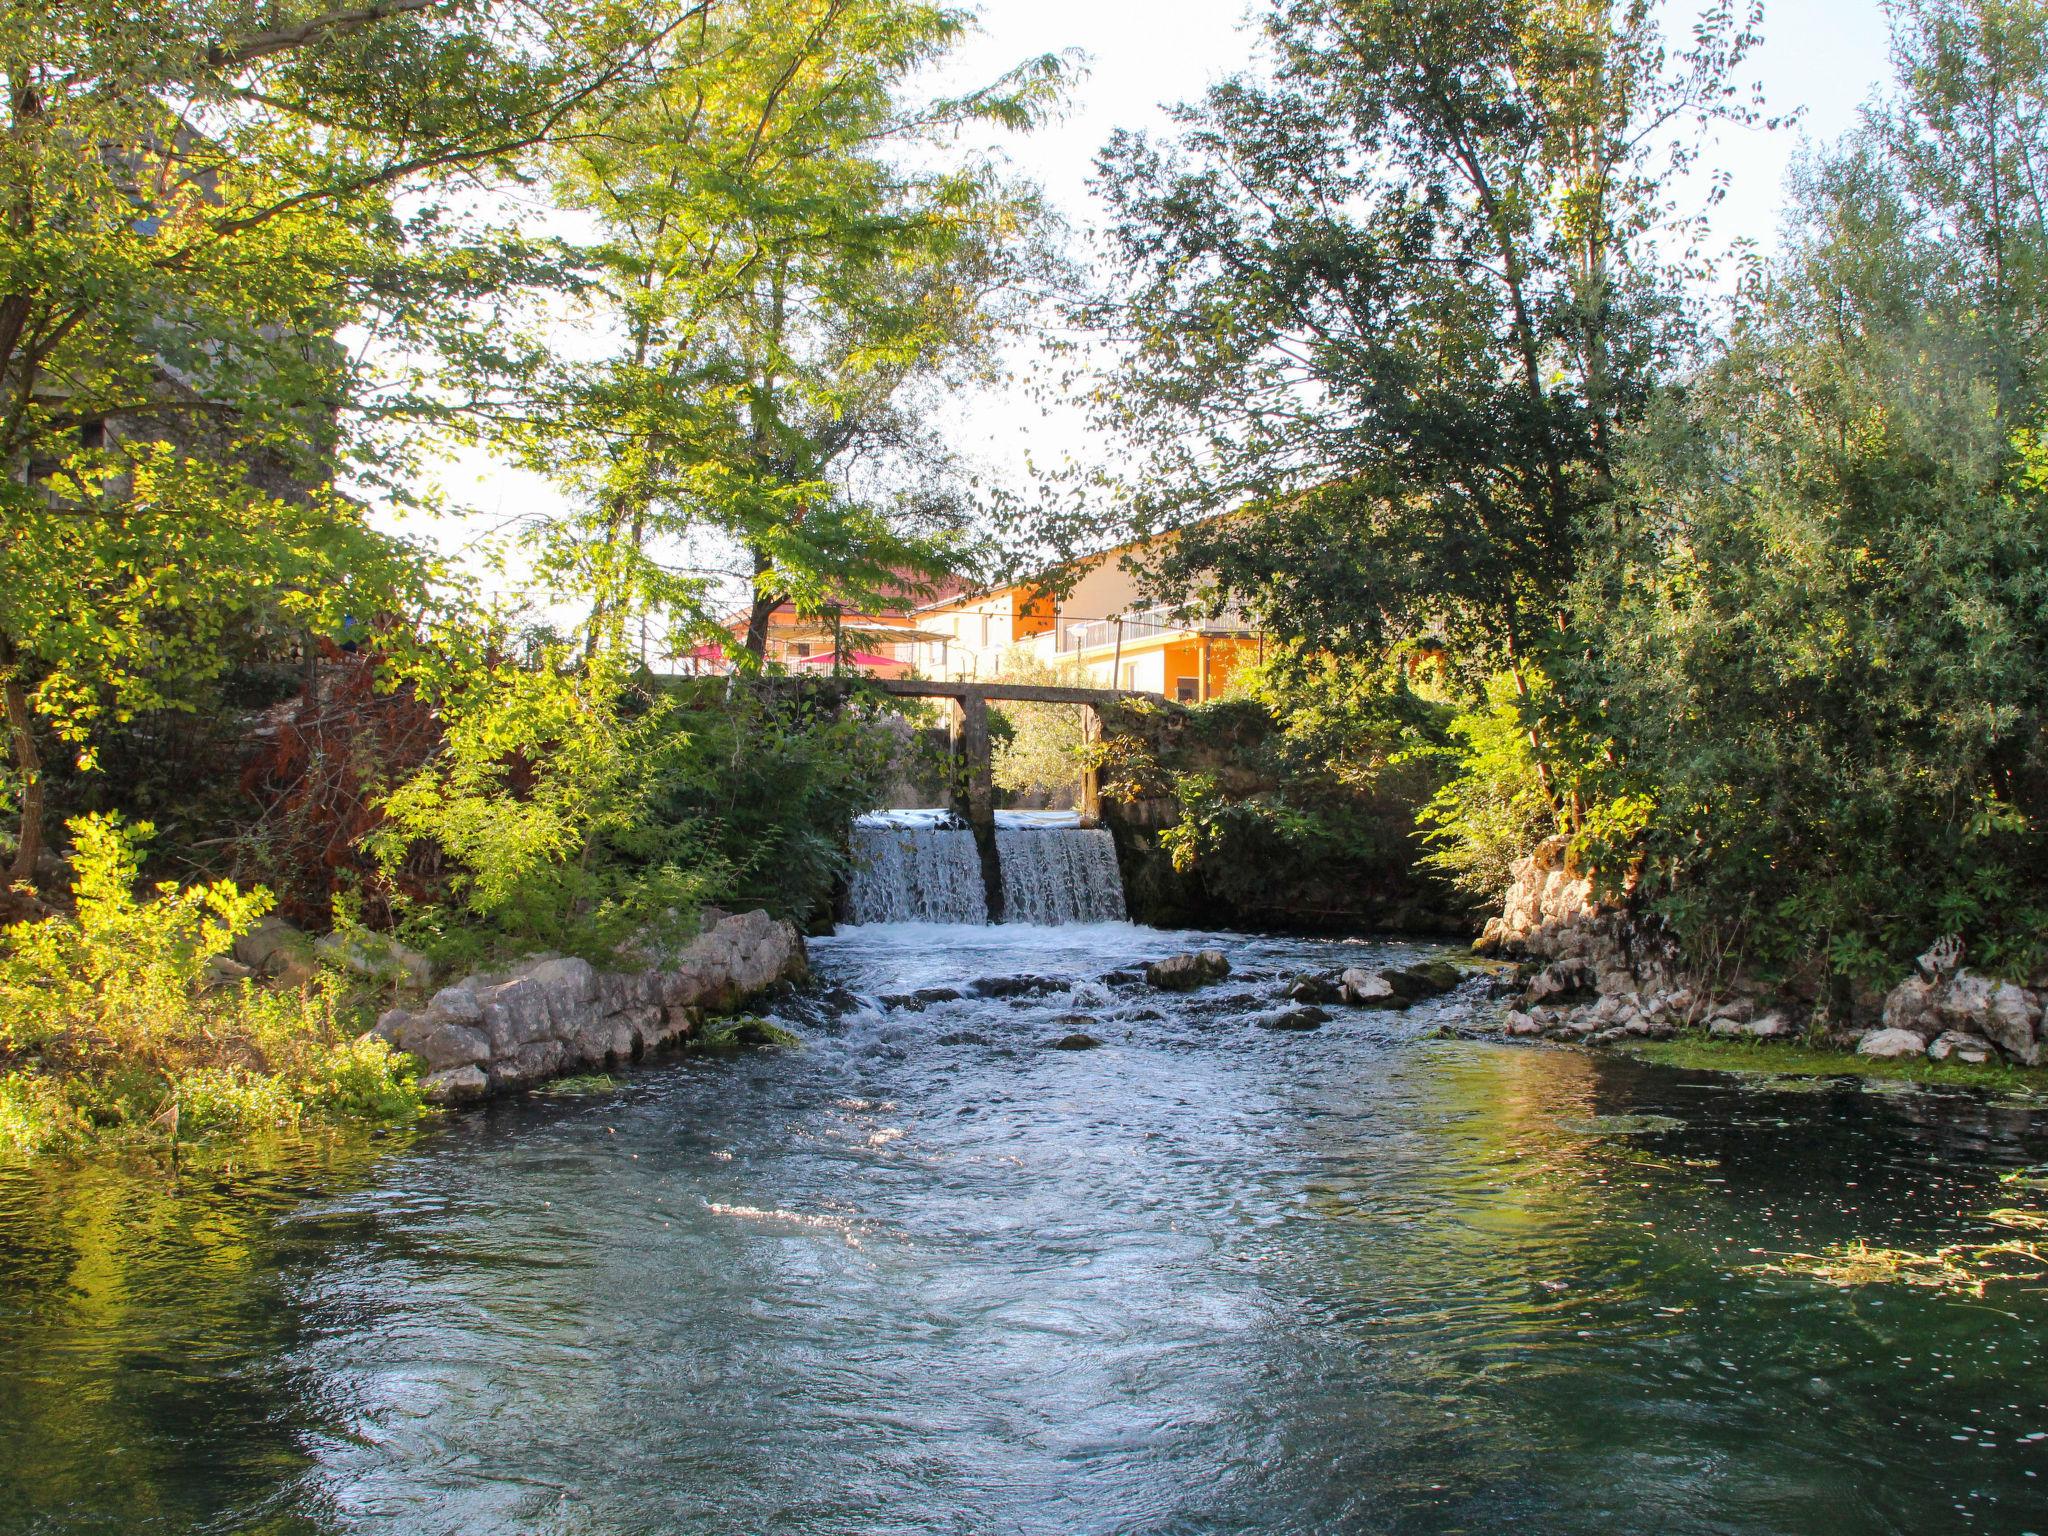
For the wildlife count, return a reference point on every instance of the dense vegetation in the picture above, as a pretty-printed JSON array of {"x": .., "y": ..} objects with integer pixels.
[
  {"x": 1749, "y": 598},
  {"x": 299, "y": 269}
]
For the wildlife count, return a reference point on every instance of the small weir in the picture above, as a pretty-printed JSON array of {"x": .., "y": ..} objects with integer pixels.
[
  {"x": 924, "y": 866},
  {"x": 912, "y": 873}
]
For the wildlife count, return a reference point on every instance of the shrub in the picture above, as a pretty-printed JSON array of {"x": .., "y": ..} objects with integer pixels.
[{"x": 116, "y": 1029}]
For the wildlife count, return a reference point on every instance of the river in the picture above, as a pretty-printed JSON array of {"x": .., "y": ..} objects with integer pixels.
[{"x": 925, "y": 1274}]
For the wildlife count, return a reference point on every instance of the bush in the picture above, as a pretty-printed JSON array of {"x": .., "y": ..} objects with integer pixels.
[
  {"x": 576, "y": 807},
  {"x": 112, "y": 1027}
]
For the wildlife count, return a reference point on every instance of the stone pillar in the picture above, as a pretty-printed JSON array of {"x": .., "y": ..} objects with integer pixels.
[
  {"x": 977, "y": 770},
  {"x": 1090, "y": 802}
]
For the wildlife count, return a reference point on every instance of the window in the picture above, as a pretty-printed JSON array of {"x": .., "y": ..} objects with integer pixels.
[
  {"x": 92, "y": 434},
  {"x": 801, "y": 649},
  {"x": 1187, "y": 690}
]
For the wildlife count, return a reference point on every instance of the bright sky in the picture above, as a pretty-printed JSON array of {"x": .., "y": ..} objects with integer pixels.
[{"x": 1821, "y": 58}]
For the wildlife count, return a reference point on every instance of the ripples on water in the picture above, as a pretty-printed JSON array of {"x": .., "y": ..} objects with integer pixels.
[{"x": 925, "y": 1275}]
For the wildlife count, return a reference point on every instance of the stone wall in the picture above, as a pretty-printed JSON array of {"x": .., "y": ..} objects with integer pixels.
[{"x": 551, "y": 1015}]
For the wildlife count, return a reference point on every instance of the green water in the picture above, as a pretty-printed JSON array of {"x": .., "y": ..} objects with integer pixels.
[{"x": 924, "y": 1275}]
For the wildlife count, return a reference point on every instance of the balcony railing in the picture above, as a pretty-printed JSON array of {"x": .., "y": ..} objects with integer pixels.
[{"x": 1143, "y": 624}]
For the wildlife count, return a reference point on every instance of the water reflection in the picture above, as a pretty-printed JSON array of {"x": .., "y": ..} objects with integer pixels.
[{"x": 925, "y": 1275}]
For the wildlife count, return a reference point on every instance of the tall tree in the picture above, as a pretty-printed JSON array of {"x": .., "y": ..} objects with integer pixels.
[
  {"x": 195, "y": 197},
  {"x": 1388, "y": 307},
  {"x": 791, "y": 260},
  {"x": 1820, "y": 647}
]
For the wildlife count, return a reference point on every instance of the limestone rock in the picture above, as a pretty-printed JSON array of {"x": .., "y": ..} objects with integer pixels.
[
  {"x": 1772, "y": 1026},
  {"x": 457, "y": 1003},
  {"x": 1305, "y": 1017},
  {"x": 1369, "y": 989},
  {"x": 278, "y": 951},
  {"x": 1910, "y": 1005},
  {"x": 1074, "y": 1042},
  {"x": 1014, "y": 986},
  {"x": 460, "y": 1086},
  {"x": 2012, "y": 1021},
  {"x": 222, "y": 971},
  {"x": 1429, "y": 978},
  {"x": 1960, "y": 1047},
  {"x": 377, "y": 957},
  {"x": 1888, "y": 1044},
  {"x": 1519, "y": 1023},
  {"x": 1560, "y": 981},
  {"x": 1184, "y": 973},
  {"x": 1316, "y": 988},
  {"x": 1964, "y": 1002}
]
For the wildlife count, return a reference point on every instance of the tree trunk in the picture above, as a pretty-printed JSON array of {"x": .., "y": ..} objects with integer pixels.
[
  {"x": 28, "y": 763},
  {"x": 766, "y": 601}
]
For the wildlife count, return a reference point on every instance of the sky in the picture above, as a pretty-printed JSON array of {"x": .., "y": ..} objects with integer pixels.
[{"x": 1820, "y": 60}]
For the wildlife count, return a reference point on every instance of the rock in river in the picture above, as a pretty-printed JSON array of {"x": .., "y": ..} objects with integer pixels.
[
  {"x": 1304, "y": 1017},
  {"x": 1184, "y": 973}
]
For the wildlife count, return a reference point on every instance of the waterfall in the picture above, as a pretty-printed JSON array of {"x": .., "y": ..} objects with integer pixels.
[
  {"x": 1063, "y": 875},
  {"x": 913, "y": 874}
]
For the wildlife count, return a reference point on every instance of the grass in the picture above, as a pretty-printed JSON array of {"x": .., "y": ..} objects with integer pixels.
[
  {"x": 583, "y": 1083},
  {"x": 732, "y": 1034},
  {"x": 1711, "y": 1053}
]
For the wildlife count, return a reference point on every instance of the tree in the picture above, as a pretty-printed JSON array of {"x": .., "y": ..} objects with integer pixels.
[
  {"x": 1820, "y": 647},
  {"x": 790, "y": 263},
  {"x": 196, "y": 198},
  {"x": 1387, "y": 311}
]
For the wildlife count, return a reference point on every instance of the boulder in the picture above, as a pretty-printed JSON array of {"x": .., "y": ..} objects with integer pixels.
[
  {"x": 442, "y": 1044},
  {"x": 1302, "y": 1018},
  {"x": 1316, "y": 987},
  {"x": 1774, "y": 1025},
  {"x": 1559, "y": 982},
  {"x": 1888, "y": 1044},
  {"x": 1519, "y": 1023},
  {"x": 1369, "y": 989},
  {"x": 515, "y": 1013},
  {"x": 568, "y": 988},
  {"x": 278, "y": 951},
  {"x": 1184, "y": 973},
  {"x": 221, "y": 971},
  {"x": 1074, "y": 1042},
  {"x": 1960, "y": 1047},
  {"x": 457, "y": 1003},
  {"x": 1963, "y": 1001},
  {"x": 1910, "y": 1005},
  {"x": 2012, "y": 1021},
  {"x": 1016, "y": 986},
  {"x": 1430, "y": 978},
  {"x": 376, "y": 957},
  {"x": 457, "y": 1087}
]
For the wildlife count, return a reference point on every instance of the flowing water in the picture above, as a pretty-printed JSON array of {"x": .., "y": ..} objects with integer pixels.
[
  {"x": 1059, "y": 876},
  {"x": 926, "y": 1275},
  {"x": 912, "y": 866}
]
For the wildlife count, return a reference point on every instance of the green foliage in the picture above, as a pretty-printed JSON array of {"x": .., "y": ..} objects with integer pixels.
[
  {"x": 538, "y": 803},
  {"x": 203, "y": 195},
  {"x": 1495, "y": 807},
  {"x": 117, "y": 966},
  {"x": 111, "y": 1027},
  {"x": 1388, "y": 306},
  {"x": 578, "y": 807},
  {"x": 1296, "y": 798},
  {"x": 1040, "y": 749},
  {"x": 1819, "y": 645},
  {"x": 795, "y": 257}
]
